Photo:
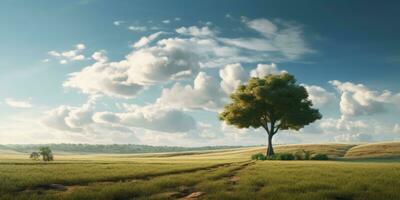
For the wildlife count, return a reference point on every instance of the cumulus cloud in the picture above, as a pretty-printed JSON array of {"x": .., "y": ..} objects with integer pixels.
[
  {"x": 70, "y": 55},
  {"x": 196, "y": 31},
  {"x": 358, "y": 137},
  {"x": 319, "y": 96},
  {"x": 167, "y": 21},
  {"x": 232, "y": 75},
  {"x": 158, "y": 61},
  {"x": 158, "y": 118},
  {"x": 357, "y": 99},
  {"x": 85, "y": 119},
  {"x": 70, "y": 118},
  {"x": 152, "y": 117},
  {"x": 263, "y": 70},
  {"x": 204, "y": 94},
  {"x": 145, "y": 40},
  {"x": 17, "y": 103},
  {"x": 103, "y": 78},
  {"x": 100, "y": 56},
  {"x": 343, "y": 124}
]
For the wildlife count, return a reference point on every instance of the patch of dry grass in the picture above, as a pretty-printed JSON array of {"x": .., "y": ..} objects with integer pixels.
[{"x": 386, "y": 149}]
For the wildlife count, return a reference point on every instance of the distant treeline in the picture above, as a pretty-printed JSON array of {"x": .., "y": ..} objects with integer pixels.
[{"x": 111, "y": 148}]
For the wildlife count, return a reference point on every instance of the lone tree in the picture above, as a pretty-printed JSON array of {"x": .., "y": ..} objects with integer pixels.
[
  {"x": 34, "y": 156},
  {"x": 274, "y": 102},
  {"x": 46, "y": 153}
]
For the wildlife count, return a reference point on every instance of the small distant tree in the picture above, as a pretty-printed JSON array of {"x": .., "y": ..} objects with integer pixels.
[
  {"x": 46, "y": 153},
  {"x": 274, "y": 102},
  {"x": 34, "y": 156}
]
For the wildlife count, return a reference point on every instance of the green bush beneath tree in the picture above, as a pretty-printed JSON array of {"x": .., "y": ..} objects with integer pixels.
[{"x": 305, "y": 155}]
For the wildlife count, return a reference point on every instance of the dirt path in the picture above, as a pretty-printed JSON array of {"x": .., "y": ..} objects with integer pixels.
[
  {"x": 191, "y": 193},
  {"x": 70, "y": 187}
]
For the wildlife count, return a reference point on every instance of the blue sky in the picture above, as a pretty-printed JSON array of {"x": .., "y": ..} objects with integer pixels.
[{"x": 158, "y": 72}]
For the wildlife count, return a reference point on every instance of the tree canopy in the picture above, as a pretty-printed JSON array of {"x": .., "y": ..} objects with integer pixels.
[
  {"x": 46, "y": 153},
  {"x": 274, "y": 102}
]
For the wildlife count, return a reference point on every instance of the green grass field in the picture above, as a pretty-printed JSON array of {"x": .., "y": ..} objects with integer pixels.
[{"x": 367, "y": 171}]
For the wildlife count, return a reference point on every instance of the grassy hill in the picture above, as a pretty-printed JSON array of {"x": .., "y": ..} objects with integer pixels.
[
  {"x": 373, "y": 150},
  {"x": 215, "y": 174}
]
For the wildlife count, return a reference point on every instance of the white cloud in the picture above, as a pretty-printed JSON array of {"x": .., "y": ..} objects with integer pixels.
[
  {"x": 69, "y": 118},
  {"x": 358, "y": 137},
  {"x": 263, "y": 70},
  {"x": 69, "y": 55},
  {"x": 17, "y": 103},
  {"x": 204, "y": 94},
  {"x": 167, "y": 21},
  {"x": 195, "y": 31},
  {"x": 356, "y": 99},
  {"x": 264, "y": 26},
  {"x": 100, "y": 56},
  {"x": 282, "y": 41},
  {"x": 256, "y": 44},
  {"x": 166, "y": 60},
  {"x": 103, "y": 78},
  {"x": 137, "y": 28},
  {"x": 232, "y": 75},
  {"x": 319, "y": 96},
  {"x": 343, "y": 124},
  {"x": 86, "y": 120},
  {"x": 157, "y": 118},
  {"x": 117, "y": 23},
  {"x": 145, "y": 40},
  {"x": 177, "y": 19}
]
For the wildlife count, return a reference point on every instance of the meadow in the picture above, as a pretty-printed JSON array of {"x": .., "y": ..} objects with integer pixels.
[{"x": 355, "y": 171}]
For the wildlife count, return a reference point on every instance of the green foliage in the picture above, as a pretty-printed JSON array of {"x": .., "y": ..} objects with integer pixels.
[
  {"x": 258, "y": 156},
  {"x": 274, "y": 102},
  {"x": 273, "y": 99},
  {"x": 303, "y": 155},
  {"x": 279, "y": 156},
  {"x": 320, "y": 157},
  {"x": 285, "y": 156},
  {"x": 46, "y": 153},
  {"x": 34, "y": 156}
]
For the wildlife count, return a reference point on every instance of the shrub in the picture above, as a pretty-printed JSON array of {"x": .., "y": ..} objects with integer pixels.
[
  {"x": 280, "y": 156},
  {"x": 258, "y": 156},
  {"x": 285, "y": 156},
  {"x": 320, "y": 157},
  {"x": 307, "y": 155},
  {"x": 302, "y": 155},
  {"x": 299, "y": 156}
]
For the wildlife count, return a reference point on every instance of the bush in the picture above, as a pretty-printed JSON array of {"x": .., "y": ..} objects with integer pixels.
[
  {"x": 303, "y": 155},
  {"x": 307, "y": 155},
  {"x": 320, "y": 157},
  {"x": 285, "y": 156},
  {"x": 258, "y": 156},
  {"x": 281, "y": 156}
]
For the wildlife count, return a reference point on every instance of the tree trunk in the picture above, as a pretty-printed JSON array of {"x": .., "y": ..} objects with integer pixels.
[{"x": 270, "y": 149}]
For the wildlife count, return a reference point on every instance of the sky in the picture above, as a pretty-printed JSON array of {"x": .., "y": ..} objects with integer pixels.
[{"x": 159, "y": 72}]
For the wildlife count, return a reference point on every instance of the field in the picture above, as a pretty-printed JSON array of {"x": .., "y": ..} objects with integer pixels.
[{"x": 367, "y": 171}]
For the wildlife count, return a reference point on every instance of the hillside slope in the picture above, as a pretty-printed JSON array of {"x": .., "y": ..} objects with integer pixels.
[{"x": 384, "y": 149}]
